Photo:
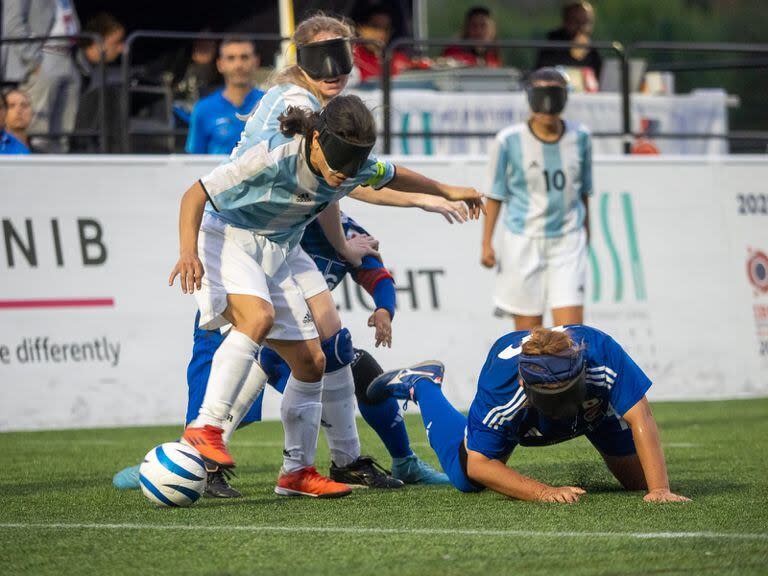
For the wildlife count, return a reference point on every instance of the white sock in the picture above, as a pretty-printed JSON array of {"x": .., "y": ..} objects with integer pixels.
[
  {"x": 230, "y": 366},
  {"x": 250, "y": 390},
  {"x": 339, "y": 416},
  {"x": 300, "y": 412}
]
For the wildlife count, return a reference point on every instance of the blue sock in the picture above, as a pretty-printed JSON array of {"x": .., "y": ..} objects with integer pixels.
[
  {"x": 386, "y": 421},
  {"x": 445, "y": 429}
]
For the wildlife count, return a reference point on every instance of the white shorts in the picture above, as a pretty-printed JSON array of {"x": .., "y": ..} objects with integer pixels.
[
  {"x": 238, "y": 261},
  {"x": 536, "y": 272}
]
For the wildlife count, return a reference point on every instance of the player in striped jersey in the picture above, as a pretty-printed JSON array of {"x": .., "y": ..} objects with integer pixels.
[
  {"x": 538, "y": 388},
  {"x": 541, "y": 170}
]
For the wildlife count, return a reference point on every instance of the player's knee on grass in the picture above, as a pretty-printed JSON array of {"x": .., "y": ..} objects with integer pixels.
[
  {"x": 338, "y": 350},
  {"x": 364, "y": 370}
]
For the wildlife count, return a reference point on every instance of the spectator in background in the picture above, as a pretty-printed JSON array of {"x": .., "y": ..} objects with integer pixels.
[
  {"x": 87, "y": 58},
  {"x": 8, "y": 143},
  {"x": 375, "y": 23},
  {"x": 199, "y": 74},
  {"x": 478, "y": 25},
  {"x": 46, "y": 70},
  {"x": 89, "y": 54},
  {"x": 577, "y": 26},
  {"x": 215, "y": 127},
  {"x": 19, "y": 116}
]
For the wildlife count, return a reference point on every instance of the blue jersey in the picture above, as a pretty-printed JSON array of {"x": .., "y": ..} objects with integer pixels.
[
  {"x": 500, "y": 419},
  {"x": 214, "y": 127},
  {"x": 11, "y": 145},
  {"x": 543, "y": 184},
  {"x": 272, "y": 190}
]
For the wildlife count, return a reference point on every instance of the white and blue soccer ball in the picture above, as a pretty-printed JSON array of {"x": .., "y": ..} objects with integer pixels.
[{"x": 173, "y": 474}]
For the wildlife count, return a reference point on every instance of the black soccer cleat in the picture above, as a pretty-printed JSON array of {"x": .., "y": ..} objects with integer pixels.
[
  {"x": 364, "y": 472},
  {"x": 218, "y": 483}
]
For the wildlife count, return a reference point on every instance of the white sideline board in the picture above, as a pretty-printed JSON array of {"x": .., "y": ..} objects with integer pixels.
[{"x": 92, "y": 336}]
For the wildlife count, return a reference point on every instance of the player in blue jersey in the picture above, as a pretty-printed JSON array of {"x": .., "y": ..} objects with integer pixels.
[
  {"x": 215, "y": 127},
  {"x": 258, "y": 279},
  {"x": 539, "y": 388},
  {"x": 541, "y": 170}
]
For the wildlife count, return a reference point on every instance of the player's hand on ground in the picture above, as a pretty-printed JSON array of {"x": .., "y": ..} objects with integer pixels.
[
  {"x": 360, "y": 246},
  {"x": 561, "y": 494},
  {"x": 471, "y": 197},
  {"x": 488, "y": 257},
  {"x": 664, "y": 495},
  {"x": 190, "y": 270},
  {"x": 450, "y": 210},
  {"x": 381, "y": 320}
]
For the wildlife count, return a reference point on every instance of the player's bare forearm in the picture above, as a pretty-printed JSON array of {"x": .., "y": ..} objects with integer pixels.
[
  {"x": 492, "y": 210},
  {"x": 645, "y": 433},
  {"x": 385, "y": 197},
  {"x": 190, "y": 217},
  {"x": 497, "y": 476},
  {"x": 330, "y": 222},
  {"x": 585, "y": 199},
  {"x": 407, "y": 180},
  {"x": 189, "y": 267}
]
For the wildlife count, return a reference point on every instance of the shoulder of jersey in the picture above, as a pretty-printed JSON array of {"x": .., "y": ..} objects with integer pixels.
[
  {"x": 576, "y": 127},
  {"x": 294, "y": 95},
  {"x": 208, "y": 101},
  {"x": 511, "y": 130}
]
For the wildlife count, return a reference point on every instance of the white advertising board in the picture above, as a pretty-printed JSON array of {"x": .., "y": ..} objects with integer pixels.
[{"x": 91, "y": 335}]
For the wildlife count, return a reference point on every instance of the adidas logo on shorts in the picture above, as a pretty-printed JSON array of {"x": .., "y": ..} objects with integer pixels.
[{"x": 307, "y": 318}]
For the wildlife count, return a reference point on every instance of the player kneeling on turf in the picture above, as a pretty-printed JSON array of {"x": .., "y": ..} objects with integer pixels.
[{"x": 538, "y": 388}]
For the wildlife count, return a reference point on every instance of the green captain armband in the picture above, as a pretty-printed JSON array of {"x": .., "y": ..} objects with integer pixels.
[{"x": 381, "y": 172}]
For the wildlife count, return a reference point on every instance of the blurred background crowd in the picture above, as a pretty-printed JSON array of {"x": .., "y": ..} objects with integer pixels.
[{"x": 76, "y": 92}]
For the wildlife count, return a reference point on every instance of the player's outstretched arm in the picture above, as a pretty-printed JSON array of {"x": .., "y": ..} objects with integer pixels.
[
  {"x": 387, "y": 197},
  {"x": 352, "y": 250},
  {"x": 492, "y": 209},
  {"x": 189, "y": 266},
  {"x": 407, "y": 180},
  {"x": 645, "y": 433},
  {"x": 500, "y": 478}
]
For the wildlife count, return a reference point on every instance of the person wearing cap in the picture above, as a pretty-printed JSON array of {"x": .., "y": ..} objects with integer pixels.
[
  {"x": 541, "y": 171},
  {"x": 240, "y": 228},
  {"x": 538, "y": 388}
]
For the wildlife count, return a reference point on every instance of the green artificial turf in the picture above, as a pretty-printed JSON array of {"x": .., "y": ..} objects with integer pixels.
[{"x": 717, "y": 454}]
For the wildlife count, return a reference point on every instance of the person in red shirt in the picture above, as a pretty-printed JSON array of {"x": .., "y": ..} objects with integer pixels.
[
  {"x": 376, "y": 24},
  {"x": 478, "y": 25}
]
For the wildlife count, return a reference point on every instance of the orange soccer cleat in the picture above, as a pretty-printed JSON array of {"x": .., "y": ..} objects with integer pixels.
[
  {"x": 308, "y": 482},
  {"x": 208, "y": 441}
]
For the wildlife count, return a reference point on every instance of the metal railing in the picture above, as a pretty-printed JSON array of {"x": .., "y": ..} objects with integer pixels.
[
  {"x": 102, "y": 133},
  {"x": 757, "y": 58}
]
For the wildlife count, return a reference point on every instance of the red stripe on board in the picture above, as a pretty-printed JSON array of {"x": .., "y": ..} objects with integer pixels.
[{"x": 60, "y": 303}]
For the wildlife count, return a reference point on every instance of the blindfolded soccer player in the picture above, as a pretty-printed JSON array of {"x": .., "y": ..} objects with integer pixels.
[
  {"x": 246, "y": 219},
  {"x": 539, "y": 388}
]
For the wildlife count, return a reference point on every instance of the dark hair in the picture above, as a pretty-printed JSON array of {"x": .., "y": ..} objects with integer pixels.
[
  {"x": 102, "y": 24},
  {"x": 476, "y": 11},
  {"x": 236, "y": 40},
  {"x": 573, "y": 5},
  {"x": 3, "y": 99},
  {"x": 346, "y": 116}
]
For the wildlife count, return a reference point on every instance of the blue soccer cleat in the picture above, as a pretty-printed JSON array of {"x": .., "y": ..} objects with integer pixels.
[
  {"x": 127, "y": 478},
  {"x": 413, "y": 470},
  {"x": 399, "y": 383}
]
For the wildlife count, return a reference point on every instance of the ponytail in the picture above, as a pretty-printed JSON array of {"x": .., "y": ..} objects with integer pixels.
[{"x": 297, "y": 120}]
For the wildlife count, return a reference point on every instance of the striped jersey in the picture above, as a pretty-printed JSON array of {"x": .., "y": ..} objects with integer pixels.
[
  {"x": 500, "y": 418},
  {"x": 542, "y": 184},
  {"x": 271, "y": 189},
  {"x": 263, "y": 123}
]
